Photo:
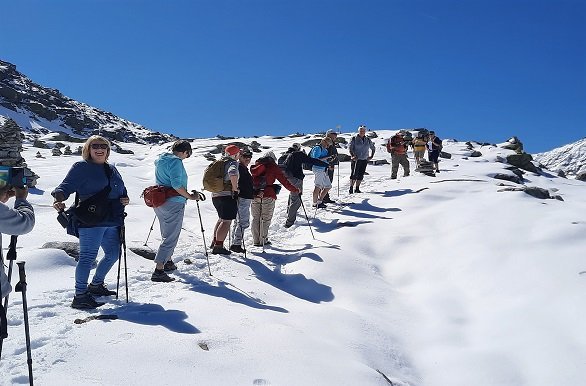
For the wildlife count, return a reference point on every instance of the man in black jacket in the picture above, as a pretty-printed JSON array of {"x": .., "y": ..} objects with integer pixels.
[
  {"x": 293, "y": 167},
  {"x": 245, "y": 197}
]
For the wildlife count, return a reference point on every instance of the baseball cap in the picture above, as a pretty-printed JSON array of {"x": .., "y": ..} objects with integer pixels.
[
  {"x": 232, "y": 150},
  {"x": 331, "y": 131},
  {"x": 296, "y": 146}
]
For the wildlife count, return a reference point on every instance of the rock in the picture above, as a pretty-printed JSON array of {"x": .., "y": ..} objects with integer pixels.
[
  {"x": 40, "y": 144},
  {"x": 378, "y": 162},
  {"x": 69, "y": 247},
  {"x": 561, "y": 173},
  {"x": 508, "y": 177},
  {"x": 56, "y": 152},
  {"x": 581, "y": 176},
  {"x": 516, "y": 170},
  {"x": 445, "y": 155},
  {"x": 537, "y": 192},
  {"x": 513, "y": 143},
  {"x": 522, "y": 161},
  {"x": 476, "y": 153},
  {"x": 67, "y": 150}
]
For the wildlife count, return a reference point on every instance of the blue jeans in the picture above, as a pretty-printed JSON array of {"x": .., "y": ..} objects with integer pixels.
[{"x": 90, "y": 240}]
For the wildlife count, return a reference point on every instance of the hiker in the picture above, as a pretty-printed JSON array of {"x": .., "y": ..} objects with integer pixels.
[
  {"x": 398, "y": 148},
  {"x": 90, "y": 179},
  {"x": 322, "y": 181},
  {"x": 264, "y": 173},
  {"x": 419, "y": 144},
  {"x": 226, "y": 200},
  {"x": 245, "y": 197},
  {"x": 17, "y": 221},
  {"x": 434, "y": 146},
  {"x": 292, "y": 164},
  {"x": 359, "y": 146},
  {"x": 170, "y": 172},
  {"x": 333, "y": 156}
]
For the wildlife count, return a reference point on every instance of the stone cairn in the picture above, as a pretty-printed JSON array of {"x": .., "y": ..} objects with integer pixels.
[{"x": 10, "y": 148}]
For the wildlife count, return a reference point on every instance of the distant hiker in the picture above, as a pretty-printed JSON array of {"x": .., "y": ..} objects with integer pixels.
[
  {"x": 398, "y": 148},
  {"x": 359, "y": 150},
  {"x": 170, "y": 172},
  {"x": 245, "y": 197},
  {"x": 322, "y": 181},
  {"x": 89, "y": 179},
  {"x": 264, "y": 173},
  {"x": 434, "y": 146},
  {"x": 292, "y": 165},
  {"x": 333, "y": 160},
  {"x": 419, "y": 144},
  {"x": 226, "y": 200},
  {"x": 17, "y": 221}
]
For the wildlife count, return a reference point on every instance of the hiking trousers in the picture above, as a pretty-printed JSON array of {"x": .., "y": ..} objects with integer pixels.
[
  {"x": 170, "y": 216},
  {"x": 260, "y": 229},
  {"x": 242, "y": 221},
  {"x": 396, "y": 160},
  {"x": 294, "y": 201}
]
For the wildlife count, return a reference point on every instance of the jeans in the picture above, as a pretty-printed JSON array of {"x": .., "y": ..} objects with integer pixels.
[
  {"x": 294, "y": 201},
  {"x": 90, "y": 240}
]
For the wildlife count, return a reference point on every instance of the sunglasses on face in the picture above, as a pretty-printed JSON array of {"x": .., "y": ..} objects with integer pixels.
[{"x": 97, "y": 146}]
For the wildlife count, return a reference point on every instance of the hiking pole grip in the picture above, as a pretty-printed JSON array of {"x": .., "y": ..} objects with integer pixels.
[{"x": 21, "y": 277}]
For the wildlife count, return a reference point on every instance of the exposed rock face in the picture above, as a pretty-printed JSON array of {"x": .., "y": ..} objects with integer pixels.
[
  {"x": 570, "y": 159},
  {"x": 515, "y": 144},
  {"x": 49, "y": 108},
  {"x": 10, "y": 148}
]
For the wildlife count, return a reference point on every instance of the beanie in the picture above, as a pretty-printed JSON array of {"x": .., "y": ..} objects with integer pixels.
[{"x": 232, "y": 150}]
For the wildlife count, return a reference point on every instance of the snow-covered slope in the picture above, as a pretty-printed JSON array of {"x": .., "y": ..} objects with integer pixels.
[
  {"x": 571, "y": 158},
  {"x": 430, "y": 280}
]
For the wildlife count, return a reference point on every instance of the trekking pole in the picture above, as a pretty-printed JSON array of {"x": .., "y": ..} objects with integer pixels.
[
  {"x": 149, "y": 235},
  {"x": 10, "y": 256},
  {"x": 122, "y": 248},
  {"x": 203, "y": 236},
  {"x": 307, "y": 218},
  {"x": 21, "y": 287}
]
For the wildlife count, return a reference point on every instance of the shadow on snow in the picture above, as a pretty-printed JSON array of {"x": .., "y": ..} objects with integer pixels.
[{"x": 155, "y": 315}]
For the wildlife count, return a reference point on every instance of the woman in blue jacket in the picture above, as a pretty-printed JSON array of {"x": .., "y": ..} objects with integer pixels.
[
  {"x": 85, "y": 179},
  {"x": 322, "y": 181}
]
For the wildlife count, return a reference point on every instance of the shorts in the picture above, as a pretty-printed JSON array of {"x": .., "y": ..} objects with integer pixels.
[
  {"x": 358, "y": 169},
  {"x": 226, "y": 206},
  {"x": 433, "y": 156},
  {"x": 322, "y": 180}
]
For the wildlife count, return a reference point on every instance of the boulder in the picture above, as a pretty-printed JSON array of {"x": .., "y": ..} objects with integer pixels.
[
  {"x": 69, "y": 247},
  {"x": 508, "y": 177},
  {"x": 523, "y": 161}
]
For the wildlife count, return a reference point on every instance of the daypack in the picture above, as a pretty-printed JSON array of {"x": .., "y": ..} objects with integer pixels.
[
  {"x": 156, "y": 195},
  {"x": 395, "y": 141},
  {"x": 259, "y": 177},
  {"x": 213, "y": 177}
]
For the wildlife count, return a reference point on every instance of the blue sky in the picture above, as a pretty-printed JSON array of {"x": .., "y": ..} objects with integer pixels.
[{"x": 471, "y": 70}]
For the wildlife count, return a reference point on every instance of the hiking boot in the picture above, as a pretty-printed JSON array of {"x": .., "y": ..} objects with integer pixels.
[
  {"x": 237, "y": 248},
  {"x": 85, "y": 301},
  {"x": 287, "y": 225},
  {"x": 169, "y": 266},
  {"x": 161, "y": 276},
  {"x": 328, "y": 200},
  {"x": 393, "y": 178},
  {"x": 220, "y": 250},
  {"x": 357, "y": 190},
  {"x": 406, "y": 175},
  {"x": 99, "y": 290},
  {"x": 351, "y": 190},
  {"x": 321, "y": 205}
]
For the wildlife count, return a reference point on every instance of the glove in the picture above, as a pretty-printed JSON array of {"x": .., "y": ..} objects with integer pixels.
[
  {"x": 199, "y": 195},
  {"x": 235, "y": 194}
]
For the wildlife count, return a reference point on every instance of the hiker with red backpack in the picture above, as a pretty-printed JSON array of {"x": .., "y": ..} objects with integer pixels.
[
  {"x": 170, "y": 172},
  {"x": 264, "y": 173},
  {"x": 397, "y": 146}
]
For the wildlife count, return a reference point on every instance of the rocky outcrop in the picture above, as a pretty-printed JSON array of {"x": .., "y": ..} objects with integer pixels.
[
  {"x": 522, "y": 161},
  {"x": 42, "y": 104},
  {"x": 10, "y": 148}
]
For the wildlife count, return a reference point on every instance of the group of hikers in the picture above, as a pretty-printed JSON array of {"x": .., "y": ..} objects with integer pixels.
[{"x": 244, "y": 190}]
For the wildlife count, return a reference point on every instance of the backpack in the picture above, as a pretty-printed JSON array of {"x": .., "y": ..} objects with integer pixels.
[
  {"x": 156, "y": 195},
  {"x": 259, "y": 177},
  {"x": 395, "y": 141},
  {"x": 213, "y": 177}
]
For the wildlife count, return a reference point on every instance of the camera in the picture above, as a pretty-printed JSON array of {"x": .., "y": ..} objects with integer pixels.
[{"x": 17, "y": 177}]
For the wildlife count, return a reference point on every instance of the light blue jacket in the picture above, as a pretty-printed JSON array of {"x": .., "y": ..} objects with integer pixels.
[
  {"x": 359, "y": 147},
  {"x": 318, "y": 152},
  {"x": 169, "y": 171}
]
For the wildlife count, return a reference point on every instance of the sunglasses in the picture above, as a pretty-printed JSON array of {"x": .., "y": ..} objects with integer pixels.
[{"x": 97, "y": 146}]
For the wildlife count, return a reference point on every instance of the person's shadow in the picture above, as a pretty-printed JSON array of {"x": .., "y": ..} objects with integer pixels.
[{"x": 155, "y": 315}]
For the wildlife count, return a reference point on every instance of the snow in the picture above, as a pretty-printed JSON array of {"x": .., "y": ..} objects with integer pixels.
[{"x": 441, "y": 281}]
